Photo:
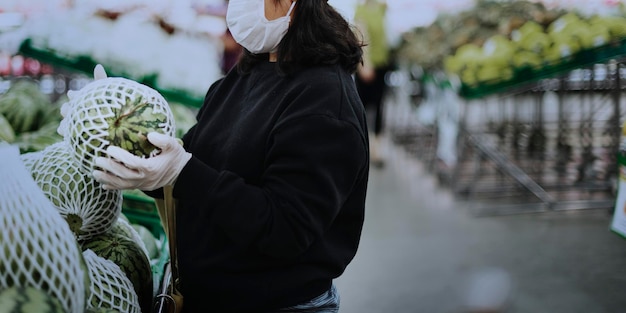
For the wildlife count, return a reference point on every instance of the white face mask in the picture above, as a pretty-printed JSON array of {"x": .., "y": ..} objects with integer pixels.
[{"x": 250, "y": 28}]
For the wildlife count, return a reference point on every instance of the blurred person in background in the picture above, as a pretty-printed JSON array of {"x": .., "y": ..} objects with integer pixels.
[
  {"x": 232, "y": 51},
  {"x": 271, "y": 181},
  {"x": 370, "y": 18}
]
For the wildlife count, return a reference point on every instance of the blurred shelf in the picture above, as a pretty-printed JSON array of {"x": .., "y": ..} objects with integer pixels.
[{"x": 86, "y": 64}]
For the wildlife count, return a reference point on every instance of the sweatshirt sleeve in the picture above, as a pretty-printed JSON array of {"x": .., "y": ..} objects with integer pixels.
[
  {"x": 158, "y": 193},
  {"x": 312, "y": 165}
]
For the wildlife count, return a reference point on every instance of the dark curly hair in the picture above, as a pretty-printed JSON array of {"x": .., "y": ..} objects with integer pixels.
[{"x": 318, "y": 35}]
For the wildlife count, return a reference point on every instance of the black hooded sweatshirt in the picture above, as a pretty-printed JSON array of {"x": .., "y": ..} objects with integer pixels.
[{"x": 271, "y": 205}]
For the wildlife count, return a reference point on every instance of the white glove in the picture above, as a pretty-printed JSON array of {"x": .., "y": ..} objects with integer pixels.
[
  {"x": 99, "y": 72},
  {"x": 124, "y": 170}
]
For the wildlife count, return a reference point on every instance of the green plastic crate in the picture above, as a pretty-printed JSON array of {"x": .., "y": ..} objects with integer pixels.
[
  {"x": 136, "y": 202},
  {"x": 85, "y": 64}
]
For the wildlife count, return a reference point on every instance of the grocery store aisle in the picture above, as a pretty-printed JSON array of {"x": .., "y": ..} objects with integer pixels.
[{"x": 419, "y": 248}]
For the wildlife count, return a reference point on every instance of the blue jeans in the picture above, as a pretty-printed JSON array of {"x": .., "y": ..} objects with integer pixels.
[{"x": 328, "y": 302}]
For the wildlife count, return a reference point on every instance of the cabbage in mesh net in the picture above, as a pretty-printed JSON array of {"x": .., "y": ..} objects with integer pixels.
[
  {"x": 88, "y": 209},
  {"x": 115, "y": 111},
  {"x": 37, "y": 248},
  {"x": 127, "y": 229},
  {"x": 110, "y": 288}
]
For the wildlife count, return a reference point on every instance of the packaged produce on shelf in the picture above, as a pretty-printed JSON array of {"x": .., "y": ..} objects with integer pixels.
[{"x": 115, "y": 263}]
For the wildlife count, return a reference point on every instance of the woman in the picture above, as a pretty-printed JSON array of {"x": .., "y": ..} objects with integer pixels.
[
  {"x": 370, "y": 15},
  {"x": 271, "y": 182}
]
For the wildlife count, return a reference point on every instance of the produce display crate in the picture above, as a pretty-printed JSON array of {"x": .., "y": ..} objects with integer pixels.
[
  {"x": 86, "y": 64},
  {"x": 528, "y": 75},
  {"x": 141, "y": 209},
  {"x": 137, "y": 203}
]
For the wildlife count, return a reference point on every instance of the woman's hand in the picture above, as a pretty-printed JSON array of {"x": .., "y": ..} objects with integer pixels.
[{"x": 123, "y": 170}]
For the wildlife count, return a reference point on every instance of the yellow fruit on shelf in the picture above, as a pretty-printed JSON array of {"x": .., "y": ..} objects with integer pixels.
[
  {"x": 523, "y": 59},
  {"x": 535, "y": 42},
  {"x": 616, "y": 25},
  {"x": 561, "y": 50},
  {"x": 490, "y": 74}
]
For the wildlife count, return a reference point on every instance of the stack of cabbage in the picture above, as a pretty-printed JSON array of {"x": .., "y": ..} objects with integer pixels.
[
  {"x": 116, "y": 272},
  {"x": 40, "y": 262}
]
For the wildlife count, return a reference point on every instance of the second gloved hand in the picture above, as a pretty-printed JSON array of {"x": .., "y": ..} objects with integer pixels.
[{"x": 123, "y": 170}]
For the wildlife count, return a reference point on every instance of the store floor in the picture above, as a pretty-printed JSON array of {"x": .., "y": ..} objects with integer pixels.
[{"x": 420, "y": 249}]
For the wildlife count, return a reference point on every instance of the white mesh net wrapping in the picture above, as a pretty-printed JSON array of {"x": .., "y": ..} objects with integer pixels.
[
  {"x": 110, "y": 288},
  {"x": 37, "y": 248},
  {"x": 64, "y": 110},
  {"x": 132, "y": 234},
  {"x": 115, "y": 111},
  {"x": 30, "y": 159},
  {"x": 88, "y": 209}
]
